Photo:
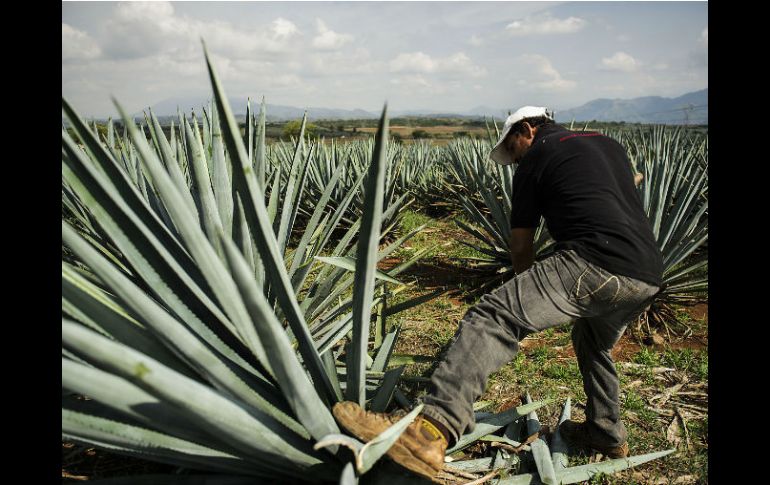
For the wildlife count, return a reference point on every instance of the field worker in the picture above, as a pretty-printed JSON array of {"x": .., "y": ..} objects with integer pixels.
[{"x": 603, "y": 273}]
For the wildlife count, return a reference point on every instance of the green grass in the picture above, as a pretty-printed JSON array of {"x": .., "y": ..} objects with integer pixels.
[
  {"x": 412, "y": 219},
  {"x": 687, "y": 360},
  {"x": 647, "y": 357}
]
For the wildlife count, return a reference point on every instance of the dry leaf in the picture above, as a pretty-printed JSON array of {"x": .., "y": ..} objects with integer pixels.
[{"x": 672, "y": 432}]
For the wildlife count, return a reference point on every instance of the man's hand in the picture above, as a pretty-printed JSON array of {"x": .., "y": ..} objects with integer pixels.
[
  {"x": 638, "y": 177},
  {"x": 521, "y": 244}
]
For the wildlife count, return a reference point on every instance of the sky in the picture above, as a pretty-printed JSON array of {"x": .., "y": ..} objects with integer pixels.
[{"x": 445, "y": 56}]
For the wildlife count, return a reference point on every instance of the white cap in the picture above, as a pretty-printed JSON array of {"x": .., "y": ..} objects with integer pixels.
[{"x": 500, "y": 153}]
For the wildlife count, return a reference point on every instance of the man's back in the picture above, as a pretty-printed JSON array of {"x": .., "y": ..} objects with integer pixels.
[{"x": 582, "y": 184}]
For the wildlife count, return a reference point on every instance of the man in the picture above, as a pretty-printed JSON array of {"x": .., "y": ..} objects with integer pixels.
[{"x": 604, "y": 271}]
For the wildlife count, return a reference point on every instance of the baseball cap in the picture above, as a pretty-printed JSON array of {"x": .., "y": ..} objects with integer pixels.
[{"x": 500, "y": 153}]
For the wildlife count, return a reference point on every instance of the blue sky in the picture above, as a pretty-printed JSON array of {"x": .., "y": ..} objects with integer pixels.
[{"x": 448, "y": 56}]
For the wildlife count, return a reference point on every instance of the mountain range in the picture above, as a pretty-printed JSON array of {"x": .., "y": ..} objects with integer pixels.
[{"x": 690, "y": 108}]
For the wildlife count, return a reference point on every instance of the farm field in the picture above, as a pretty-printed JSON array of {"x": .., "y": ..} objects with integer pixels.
[
  {"x": 546, "y": 367},
  {"x": 220, "y": 293}
]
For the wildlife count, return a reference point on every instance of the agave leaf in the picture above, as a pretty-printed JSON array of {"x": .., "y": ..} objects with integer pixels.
[
  {"x": 260, "y": 166},
  {"x": 409, "y": 263},
  {"x": 242, "y": 237},
  {"x": 199, "y": 246},
  {"x": 256, "y": 216},
  {"x": 292, "y": 379},
  {"x": 127, "y": 230},
  {"x": 585, "y": 472},
  {"x": 558, "y": 444},
  {"x": 512, "y": 433},
  {"x": 366, "y": 262},
  {"x": 348, "y": 476},
  {"x": 296, "y": 174},
  {"x": 220, "y": 177},
  {"x": 540, "y": 450},
  {"x": 119, "y": 182},
  {"x": 124, "y": 437},
  {"x": 386, "y": 349},
  {"x": 328, "y": 359},
  {"x": 272, "y": 207},
  {"x": 493, "y": 423},
  {"x": 384, "y": 394},
  {"x": 233, "y": 423},
  {"x": 203, "y": 357},
  {"x": 340, "y": 212},
  {"x": 482, "y": 465},
  {"x": 502, "y": 439},
  {"x": 399, "y": 242},
  {"x": 299, "y": 254},
  {"x": 172, "y": 166},
  {"x": 405, "y": 305},
  {"x": 173, "y": 277},
  {"x": 133, "y": 402},
  {"x": 209, "y": 214},
  {"x": 102, "y": 314},
  {"x": 319, "y": 292},
  {"x": 350, "y": 264},
  {"x": 339, "y": 330},
  {"x": 299, "y": 277}
]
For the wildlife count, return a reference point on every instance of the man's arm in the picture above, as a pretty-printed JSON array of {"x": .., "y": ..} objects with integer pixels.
[{"x": 522, "y": 248}]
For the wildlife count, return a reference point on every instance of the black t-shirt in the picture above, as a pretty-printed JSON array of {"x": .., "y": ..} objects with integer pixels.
[{"x": 583, "y": 185}]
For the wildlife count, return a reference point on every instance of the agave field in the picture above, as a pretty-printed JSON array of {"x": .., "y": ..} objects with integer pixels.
[{"x": 221, "y": 294}]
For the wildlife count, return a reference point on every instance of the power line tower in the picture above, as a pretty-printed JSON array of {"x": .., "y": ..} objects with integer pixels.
[{"x": 687, "y": 110}]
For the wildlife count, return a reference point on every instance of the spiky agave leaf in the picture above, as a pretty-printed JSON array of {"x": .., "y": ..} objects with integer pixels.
[
  {"x": 483, "y": 190},
  {"x": 169, "y": 333},
  {"x": 675, "y": 196}
]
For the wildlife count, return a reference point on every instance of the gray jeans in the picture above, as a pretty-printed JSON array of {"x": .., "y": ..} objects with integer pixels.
[{"x": 563, "y": 288}]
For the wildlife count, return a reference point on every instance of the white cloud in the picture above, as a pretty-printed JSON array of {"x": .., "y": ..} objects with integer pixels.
[
  {"x": 146, "y": 29},
  {"x": 661, "y": 66},
  {"x": 620, "y": 61},
  {"x": 545, "y": 25},
  {"x": 475, "y": 41},
  {"x": 77, "y": 45},
  {"x": 416, "y": 61},
  {"x": 338, "y": 63},
  {"x": 541, "y": 73},
  {"x": 283, "y": 29},
  {"x": 623, "y": 38},
  {"x": 328, "y": 39},
  {"x": 457, "y": 63},
  {"x": 144, "y": 10},
  {"x": 704, "y": 37},
  {"x": 415, "y": 81}
]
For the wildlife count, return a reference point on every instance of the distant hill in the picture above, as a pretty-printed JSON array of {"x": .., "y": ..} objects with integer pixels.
[
  {"x": 691, "y": 108},
  {"x": 275, "y": 112}
]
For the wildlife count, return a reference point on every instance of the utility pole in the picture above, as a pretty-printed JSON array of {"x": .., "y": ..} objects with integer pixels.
[{"x": 687, "y": 110}]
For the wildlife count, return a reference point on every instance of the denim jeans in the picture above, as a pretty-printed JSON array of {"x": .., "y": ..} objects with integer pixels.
[{"x": 563, "y": 288}]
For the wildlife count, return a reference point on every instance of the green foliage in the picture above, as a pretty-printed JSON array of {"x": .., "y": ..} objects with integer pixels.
[
  {"x": 688, "y": 360},
  {"x": 418, "y": 134},
  {"x": 292, "y": 128},
  {"x": 647, "y": 357}
]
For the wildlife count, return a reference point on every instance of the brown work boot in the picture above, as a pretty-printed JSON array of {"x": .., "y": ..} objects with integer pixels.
[
  {"x": 420, "y": 448},
  {"x": 577, "y": 435}
]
